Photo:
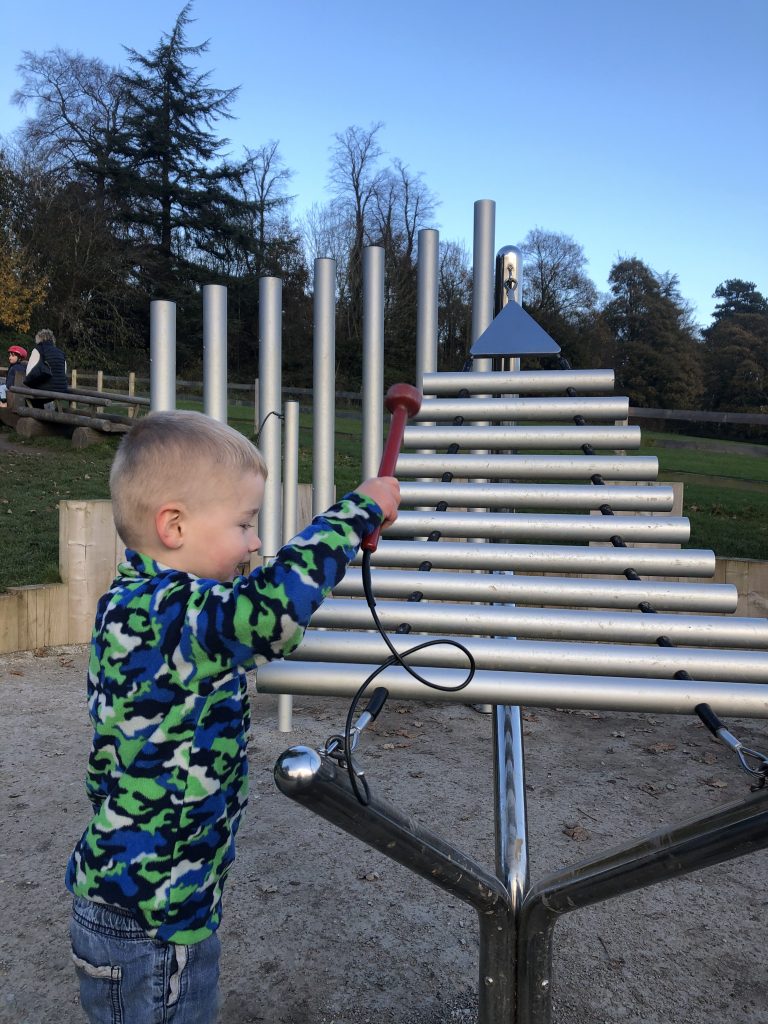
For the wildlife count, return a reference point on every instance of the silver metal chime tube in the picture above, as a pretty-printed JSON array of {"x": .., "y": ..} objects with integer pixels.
[
  {"x": 659, "y": 498},
  {"x": 270, "y": 405},
  {"x": 533, "y": 689},
  {"x": 483, "y": 260},
  {"x": 324, "y": 385},
  {"x": 162, "y": 355},
  {"x": 215, "y": 352},
  {"x": 427, "y": 279},
  {"x": 501, "y": 409},
  {"x": 715, "y": 598},
  {"x": 528, "y": 382},
  {"x": 290, "y": 524},
  {"x": 373, "y": 358}
]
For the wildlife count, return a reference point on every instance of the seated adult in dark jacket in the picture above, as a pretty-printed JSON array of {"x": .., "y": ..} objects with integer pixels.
[{"x": 47, "y": 366}]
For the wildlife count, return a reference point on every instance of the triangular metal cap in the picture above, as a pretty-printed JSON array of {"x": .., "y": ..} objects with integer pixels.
[{"x": 514, "y": 333}]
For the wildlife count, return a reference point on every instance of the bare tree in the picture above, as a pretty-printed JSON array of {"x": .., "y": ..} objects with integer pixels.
[
  {"x": 263, "y": 181},
  {"x": 555, "y": 282},
  {"x": 80, "y": 108},
  {"x": 354, "y": 175},
  {"x": 327, "y": 233}
]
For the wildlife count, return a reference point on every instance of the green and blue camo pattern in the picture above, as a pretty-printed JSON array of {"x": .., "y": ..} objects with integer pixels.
[{"x": 168, "y": 772}]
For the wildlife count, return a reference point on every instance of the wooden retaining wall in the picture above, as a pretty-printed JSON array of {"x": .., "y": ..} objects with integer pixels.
[{"x": 50, "y": 615}]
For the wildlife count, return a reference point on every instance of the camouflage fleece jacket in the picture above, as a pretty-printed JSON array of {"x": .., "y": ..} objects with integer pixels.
[{"x": 167, "y": 774}]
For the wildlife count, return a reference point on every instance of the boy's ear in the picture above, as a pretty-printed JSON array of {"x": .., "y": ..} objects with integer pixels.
[{"x": 169, "y": 521}]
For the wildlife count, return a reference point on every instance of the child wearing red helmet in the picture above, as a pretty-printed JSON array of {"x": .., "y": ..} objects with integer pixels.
[{"x": 17, "y": 369}]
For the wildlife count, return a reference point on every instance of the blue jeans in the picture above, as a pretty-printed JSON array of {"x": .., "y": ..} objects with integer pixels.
[{"x": 126, "y": 977}]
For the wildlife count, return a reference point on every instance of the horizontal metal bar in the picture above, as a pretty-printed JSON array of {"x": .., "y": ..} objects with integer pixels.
[
  {"x": 530, "y": 467},
  {"x": 545, "y": 558},
  {"x": 529, "y": 689},
  {"x": 544, "y": 590},
  {"x": 510, "y": 655},
  {"x": 625, "y": 498},
  {"x": 521, "y": 382},
  {"x": 547, "y": 623},
  {"x": 440, "y": 410},
  {"x": 547, "y": 528},
  {"x": 514, "y": 437}
]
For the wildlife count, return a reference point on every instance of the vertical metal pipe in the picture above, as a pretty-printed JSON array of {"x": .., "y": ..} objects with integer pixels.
[
  {"x": 483, "y": 272},
  {"x": 291, "y": 470},
  {"x": 162, "y": 355},
  {"x": 324, "y": 385},
  {"x": 373, "y": 358},
  {"x": 290, "y": 524},
  {"x": 270, "y": 404},
  {"x": 427, "y": 277},
  {"x": 215, "y": 352}
]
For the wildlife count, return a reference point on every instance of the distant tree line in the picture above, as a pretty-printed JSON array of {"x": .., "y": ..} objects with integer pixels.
[{"x": 119, "y": 189}]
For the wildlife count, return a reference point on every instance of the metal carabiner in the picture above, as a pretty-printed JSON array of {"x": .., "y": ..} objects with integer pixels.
[{"x": 744, "y": 754}]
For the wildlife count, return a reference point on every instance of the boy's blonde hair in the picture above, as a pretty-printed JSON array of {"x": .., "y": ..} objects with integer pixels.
[{"x": 173, "y": 456}]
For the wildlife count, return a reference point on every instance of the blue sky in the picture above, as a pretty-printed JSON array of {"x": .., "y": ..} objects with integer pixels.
[{"x": 637, "y": 128}]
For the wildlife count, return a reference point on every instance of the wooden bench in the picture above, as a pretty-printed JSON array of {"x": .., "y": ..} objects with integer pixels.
[{"x": 82, "y": 413}]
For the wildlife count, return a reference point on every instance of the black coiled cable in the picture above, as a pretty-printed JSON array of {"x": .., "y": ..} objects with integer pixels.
[{"x": 358, "y": 781}]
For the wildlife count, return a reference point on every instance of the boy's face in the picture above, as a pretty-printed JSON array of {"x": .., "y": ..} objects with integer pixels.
[{"x": 219, "y": 533}]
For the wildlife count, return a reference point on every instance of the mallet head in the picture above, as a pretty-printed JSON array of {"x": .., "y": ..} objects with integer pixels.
[{"x": 403, "y": 396}]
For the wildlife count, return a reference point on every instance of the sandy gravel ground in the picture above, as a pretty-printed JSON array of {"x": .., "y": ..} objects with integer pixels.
[{"x": 319, "y": 928}]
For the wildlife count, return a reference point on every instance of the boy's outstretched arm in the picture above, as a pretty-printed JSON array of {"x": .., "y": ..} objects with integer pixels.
[{"x": 385, "y": 491}]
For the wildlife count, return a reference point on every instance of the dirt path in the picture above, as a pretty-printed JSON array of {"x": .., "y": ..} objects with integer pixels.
[{"x": 318, "y": 928}]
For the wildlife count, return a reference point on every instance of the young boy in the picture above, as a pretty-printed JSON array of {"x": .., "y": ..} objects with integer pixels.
[{"x": 167, "y": 774}]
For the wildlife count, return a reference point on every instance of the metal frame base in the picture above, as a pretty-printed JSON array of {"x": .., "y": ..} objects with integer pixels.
[{"x": 516, "y": 920}]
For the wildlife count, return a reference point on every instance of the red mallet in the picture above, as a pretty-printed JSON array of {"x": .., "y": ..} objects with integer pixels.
[{"x": 402, "y": 401}]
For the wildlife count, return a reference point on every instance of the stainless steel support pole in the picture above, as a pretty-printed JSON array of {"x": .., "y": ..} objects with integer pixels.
[
  {"x": 373, "y": 358},
  {"x": 511, "y": 819},
  {"x": 162, "y": 355},
  {"x": 270, "y": 406},
  {"x": 215, "y": 351},
  {"x": 712, "y": 838},
  {"x": 290, "y": 524},
  {"x": 509, "y": 282},
  {"x": 324, "y": 385},
  {"x": 427, "y": 278},
  {"x": 321, "y": 786}
]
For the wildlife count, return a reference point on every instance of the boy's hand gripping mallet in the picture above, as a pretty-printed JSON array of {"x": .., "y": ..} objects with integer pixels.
[{"x": 403, "y": 401}]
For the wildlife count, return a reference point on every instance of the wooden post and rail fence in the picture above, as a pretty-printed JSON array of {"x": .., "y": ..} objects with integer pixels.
[{"x": 46, "y": 615}]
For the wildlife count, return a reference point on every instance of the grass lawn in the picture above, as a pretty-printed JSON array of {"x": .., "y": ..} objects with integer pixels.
[
  {"x": 725, "y": 494},
  {"x": 726, "y": 491}
]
